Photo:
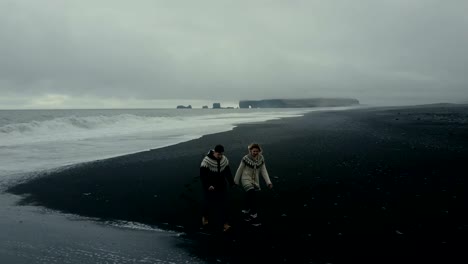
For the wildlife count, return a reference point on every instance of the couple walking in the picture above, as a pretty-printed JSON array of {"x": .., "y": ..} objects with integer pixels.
[{"x": 215, "y": 172}]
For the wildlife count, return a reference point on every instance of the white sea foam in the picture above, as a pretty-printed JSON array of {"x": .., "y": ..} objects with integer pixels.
[
  {"x": 34, "y": 140},
  {"x": 136, "y": 226},
  {"x": 75, "y": 128}
]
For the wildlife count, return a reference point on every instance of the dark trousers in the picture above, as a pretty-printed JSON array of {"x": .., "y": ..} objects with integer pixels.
[
  {"x": 215, "y": 207},
  {"x": 251, "y": 201}
]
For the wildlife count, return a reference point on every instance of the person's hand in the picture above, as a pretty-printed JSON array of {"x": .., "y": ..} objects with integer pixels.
[
  {"x": 211, "y": 188},
  {"x": 270, "y": 185}
]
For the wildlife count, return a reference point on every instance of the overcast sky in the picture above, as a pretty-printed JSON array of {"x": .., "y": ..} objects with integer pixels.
[{"x": 110, "y": 53}]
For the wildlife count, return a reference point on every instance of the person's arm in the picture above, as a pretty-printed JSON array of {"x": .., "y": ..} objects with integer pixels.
[
  {"x": 204, "y": 178},
  {"x": 239, "y": 172},
  {"x": 228, "y": 176},
  {"x": 265, "y": 175}
]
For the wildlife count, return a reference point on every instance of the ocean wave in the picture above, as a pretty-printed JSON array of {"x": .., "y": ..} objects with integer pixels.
[
  {"x": 68, "y": 138},
  {"x": 71, "y": 122},
  {"x": 74, "y": 128}
]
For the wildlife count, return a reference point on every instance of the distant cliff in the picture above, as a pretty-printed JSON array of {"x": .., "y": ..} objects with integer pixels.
[
  {"x": 184, "y": 107},
  {"x": 298, "y": 103}
]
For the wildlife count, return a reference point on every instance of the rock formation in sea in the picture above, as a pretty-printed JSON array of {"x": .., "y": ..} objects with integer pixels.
[
  {"x": 298, "y": 103},
  {"x": 184, "y": 107}
]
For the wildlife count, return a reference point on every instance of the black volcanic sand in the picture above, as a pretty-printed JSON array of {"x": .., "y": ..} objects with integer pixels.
[{"x": 369, "y": 185}]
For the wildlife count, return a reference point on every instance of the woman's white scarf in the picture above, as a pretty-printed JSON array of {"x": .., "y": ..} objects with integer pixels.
[{"x": 253, "y": 163}]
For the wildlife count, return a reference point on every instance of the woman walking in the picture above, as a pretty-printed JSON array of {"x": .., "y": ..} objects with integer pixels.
[{"x": 248, "y": 173}]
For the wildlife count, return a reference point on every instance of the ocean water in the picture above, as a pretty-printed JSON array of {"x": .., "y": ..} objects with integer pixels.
[{"x": 36, "y": 140}]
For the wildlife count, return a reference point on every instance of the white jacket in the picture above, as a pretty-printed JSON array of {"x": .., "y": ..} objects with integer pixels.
[{"x": 249, "y": 170}]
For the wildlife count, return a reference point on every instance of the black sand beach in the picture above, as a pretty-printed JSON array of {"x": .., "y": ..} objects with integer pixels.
[
  {"x": 31, "y": 235},
  {"x": 382, "y": 185}
]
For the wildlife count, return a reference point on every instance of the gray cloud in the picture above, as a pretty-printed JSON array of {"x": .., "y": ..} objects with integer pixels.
[{"x": 390, "y": 52}]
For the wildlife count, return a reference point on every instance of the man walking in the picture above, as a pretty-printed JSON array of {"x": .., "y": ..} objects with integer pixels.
[{"x": 215, "y": 173}]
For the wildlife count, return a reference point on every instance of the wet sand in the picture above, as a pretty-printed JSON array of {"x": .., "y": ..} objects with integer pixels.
[
  {"x": 32, "y": 234},
  {"x": 368, "y": 185}
]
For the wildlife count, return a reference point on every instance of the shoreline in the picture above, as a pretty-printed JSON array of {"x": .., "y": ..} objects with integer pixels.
[
  {"x": 341, "y": 184},
  {"x": 30, "y": 157},
  {"x": 33, "y": 234}
]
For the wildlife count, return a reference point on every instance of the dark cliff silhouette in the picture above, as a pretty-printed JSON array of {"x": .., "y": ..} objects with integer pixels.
[
  {"x": 298, "y": 103},
  {"x": 184, "y": 107}
]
